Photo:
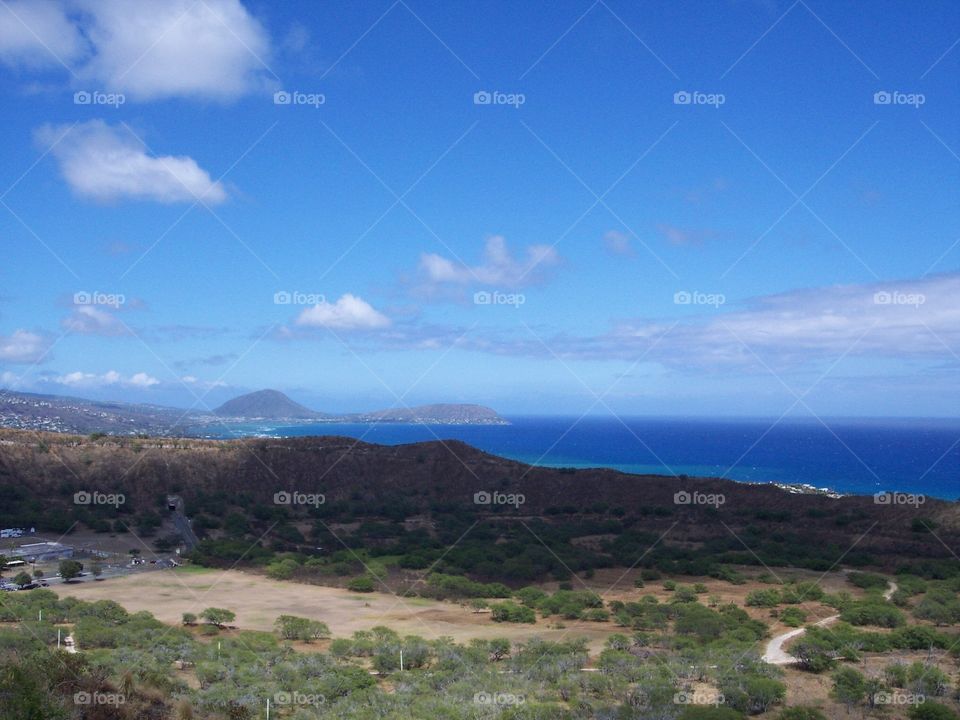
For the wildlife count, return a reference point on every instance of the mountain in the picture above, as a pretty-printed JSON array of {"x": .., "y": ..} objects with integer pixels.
[
  {"x": 63, "y": 414},
  {"x": 267, "y": 405},
  {"x": 443, "y": 413},
  {"x": 446, "y": 486},
  {"x": 58, "y": 413}
]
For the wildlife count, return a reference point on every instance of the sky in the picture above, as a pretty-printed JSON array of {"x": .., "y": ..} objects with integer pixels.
[{"x": 735, "y": 207}]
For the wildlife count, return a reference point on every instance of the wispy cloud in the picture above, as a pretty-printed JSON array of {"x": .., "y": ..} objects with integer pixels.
[
  {"x": 78, "y": 379},
  {"x": 912, "y": 319},
  {"x": 617, "y": 243},
  {"x": 683, "y": 236},
  {"x": 90, "y": 320},
  {"x": 23, "y": 346},
  {"x": 441, "y": 276}
]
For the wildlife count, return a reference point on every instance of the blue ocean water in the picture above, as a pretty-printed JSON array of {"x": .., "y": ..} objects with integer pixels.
[{"x": 861, "y": 456}]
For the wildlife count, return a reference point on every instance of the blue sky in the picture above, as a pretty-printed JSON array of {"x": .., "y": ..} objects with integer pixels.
[{"x": 705, "y": 208}]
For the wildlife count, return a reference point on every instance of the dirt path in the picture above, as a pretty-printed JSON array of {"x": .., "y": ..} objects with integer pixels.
[{"x": 776, "y": 655}]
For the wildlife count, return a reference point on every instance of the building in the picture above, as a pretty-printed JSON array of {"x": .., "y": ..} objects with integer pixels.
[{"x": 40, "y": 552}]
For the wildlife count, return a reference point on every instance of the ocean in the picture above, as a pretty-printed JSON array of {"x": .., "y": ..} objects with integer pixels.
[{"x": 855, "y": 456}]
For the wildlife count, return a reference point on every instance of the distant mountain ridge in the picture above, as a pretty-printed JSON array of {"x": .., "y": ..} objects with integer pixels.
[
  {"x": 274, "y": 405},
  {"x": 441, "y": 413},
  {"x": 63, "y": 414}
]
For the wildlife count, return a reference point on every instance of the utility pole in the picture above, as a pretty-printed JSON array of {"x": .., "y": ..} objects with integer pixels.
[{"x": 401, "y": 660}]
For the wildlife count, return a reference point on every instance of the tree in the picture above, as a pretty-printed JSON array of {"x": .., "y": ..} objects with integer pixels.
[
  {"x": 189, "y": 618},
  {"x": 218, "y": 616},
  {"x": 3, "y": 563},
  {"x": 37, "y": 574},
  {"x": 22, "y": 579},
  {"x": 70, "y": 569},
  {"x": 813, "y": 654},
  {"x": 849, "y": 686},
  {"x": 932, "y": 711},
  {"x": 291, "y": 627},
  {"x": 97, "y": 568}
]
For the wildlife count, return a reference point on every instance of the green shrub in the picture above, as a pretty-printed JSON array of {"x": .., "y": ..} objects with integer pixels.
[
  {"x": 931, "y": 711},
  {"x": 509, "y": 611},
  {"x": 801, "y": 712},
  {"x": 363, "y": 584}
]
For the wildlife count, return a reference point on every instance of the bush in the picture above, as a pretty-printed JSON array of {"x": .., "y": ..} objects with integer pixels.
[
  {"x": 801, "y": 712},
  {"x": 509, "y": 611},
  {"x": 763, "y": 598},
  {"x": 872, "y": 612},
  {"x": 867, "y": 581},
  {"x": 793, "y": 617},
  {"x": 932, "y": 711},
  {"x": 362, "y": 584},
  {"x": 705, "y": 712},
  {"x": 939, "y": 606}
]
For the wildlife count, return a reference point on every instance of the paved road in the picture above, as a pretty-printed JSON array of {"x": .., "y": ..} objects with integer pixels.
[{"x": 776, "y": 655}]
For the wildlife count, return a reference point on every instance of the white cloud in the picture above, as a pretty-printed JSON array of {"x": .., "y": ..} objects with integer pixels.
[
  {"x": 38, "y": 34},
  {"x": 23, "y": 347},
  {"x": 915, "y": 321},
  {"x": 106, "y": 163},
  {"x": 616, "y": 243},
  {"x": 109, "y": 378},
  {"x": 143, "y": 380},
  {"x": 906, "y": 319},
  {"x": 153, "y": 49},
  {"x": 347, "y": 313},
  {"x": 89, "y": 320},
  {"x": 194, "y": 381},
  {"x": 146, "y": 49},
  {"x": 9, "y": 379},
  {"x": 498, "y": 268}
]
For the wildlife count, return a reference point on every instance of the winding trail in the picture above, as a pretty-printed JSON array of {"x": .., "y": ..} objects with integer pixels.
[{"x": 776, "y": 655}]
